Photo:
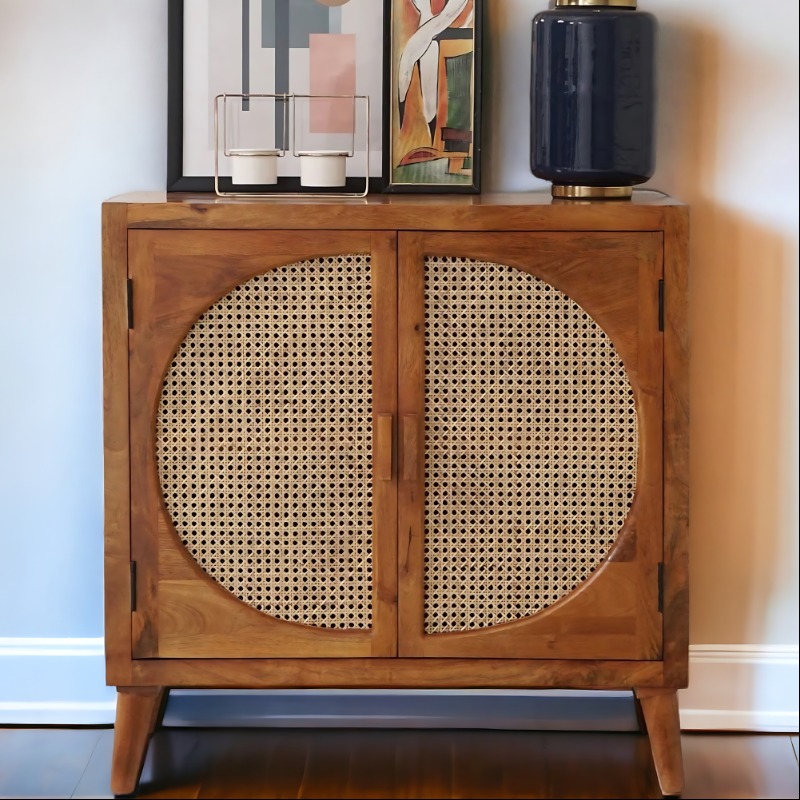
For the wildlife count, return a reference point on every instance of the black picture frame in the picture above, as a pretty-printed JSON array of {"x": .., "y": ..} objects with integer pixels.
[
  {"x": 388, "y": 88},
  {"x": 176, "y": 180}
]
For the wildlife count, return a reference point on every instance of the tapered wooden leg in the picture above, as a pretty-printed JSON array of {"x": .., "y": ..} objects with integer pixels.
[
  {"x": 660, "y": 710},
  {"x": 138, "y": 712}
]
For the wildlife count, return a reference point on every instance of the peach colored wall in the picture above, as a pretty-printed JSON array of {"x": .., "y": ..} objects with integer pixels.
[{"x": 728, "y": 145}]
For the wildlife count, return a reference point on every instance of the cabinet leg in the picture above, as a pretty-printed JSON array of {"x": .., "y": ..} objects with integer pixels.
[
  {"x": 660, "y": 711},
  {"x": 139, "y": 710}
]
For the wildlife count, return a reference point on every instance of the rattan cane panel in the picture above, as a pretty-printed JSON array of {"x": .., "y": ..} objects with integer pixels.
[
  {"x": 264, "y": 442},
  {"x": 531, "y": 445}
]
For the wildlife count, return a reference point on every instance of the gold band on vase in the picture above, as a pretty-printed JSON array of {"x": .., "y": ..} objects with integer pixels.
[{"x": 593, "y": 192}]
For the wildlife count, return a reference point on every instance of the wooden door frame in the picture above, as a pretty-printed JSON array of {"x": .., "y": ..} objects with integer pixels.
[
  {"x": 633, "y": 560},
  {"x": 181, "y": 611}
]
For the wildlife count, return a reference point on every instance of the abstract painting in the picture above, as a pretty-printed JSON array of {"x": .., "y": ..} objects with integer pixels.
[
  {"x": 432, "y": 100},
  {"x": 325, "y": 47}
]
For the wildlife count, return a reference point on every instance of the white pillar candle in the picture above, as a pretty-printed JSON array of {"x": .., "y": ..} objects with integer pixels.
[
  {"x": 254, "y": 166},
  {"x": 323, "y": 167}
]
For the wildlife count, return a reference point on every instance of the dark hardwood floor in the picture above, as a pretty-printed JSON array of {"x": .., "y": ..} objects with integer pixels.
[{"x": 356, "y": 763}]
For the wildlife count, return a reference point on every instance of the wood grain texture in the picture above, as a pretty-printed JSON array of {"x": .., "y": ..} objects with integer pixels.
[
  {"x": 184, "y": 253},
  {"x": 144, "y": 489},
  {"x": 384, "y": 446},
  {"x": 614, "y": 277},
  {"x": 200, "y": 619},
  {"x": 226, "y": 763},
  {"x": 602, "y": 272},
  {"x": 596, "y": 621},
  {"x": 648, "y": 522},
  {"x": 400, "y": 673},
  {"x": 138, "y": 709},
  {"x": 660, "y": 711},
  {"x": 676, "y": 447},
  {"x": 383, "y": 247},
  {"x": 411, "y": 406},
  {"x": 116, "y": 445},
  {"x": 739, "y": 765},
  {"x": 411, "y": 447},
  {"x": 181, "y": 611},
  {"x": 501, "y": 212}
]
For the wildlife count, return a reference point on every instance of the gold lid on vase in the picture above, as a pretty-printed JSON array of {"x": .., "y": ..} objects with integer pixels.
[
  {"x": 597, "y": 3},
  {"x": 592, "y": 192}
]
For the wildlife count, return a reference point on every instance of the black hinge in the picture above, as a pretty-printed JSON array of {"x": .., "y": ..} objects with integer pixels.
[
  {"x": 661, "y": 305},
  {"x": 130, "y": 304},
  {"x": 660, "y": 587},
  {"x": 133, "y": 586}
]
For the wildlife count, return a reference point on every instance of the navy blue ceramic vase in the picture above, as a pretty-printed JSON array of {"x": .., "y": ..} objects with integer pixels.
[{"x": 593, "y": 97}]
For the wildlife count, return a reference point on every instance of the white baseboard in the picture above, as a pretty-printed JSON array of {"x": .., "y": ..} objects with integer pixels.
[
  {"x": 741, "y": 688},
  {"x": 709, "y": 719},
  {"x": 731, "y": 687},
  {"x": 54, "y": 712},
  {"x": 48, "y": 648},
  {"x": 54, "y": 682}
]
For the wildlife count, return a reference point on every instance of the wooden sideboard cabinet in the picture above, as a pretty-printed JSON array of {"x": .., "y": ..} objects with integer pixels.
[{"x": 411, "y": 442}]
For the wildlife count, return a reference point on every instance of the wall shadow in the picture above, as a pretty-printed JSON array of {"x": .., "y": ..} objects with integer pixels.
[{"x": 741, "y": 270}]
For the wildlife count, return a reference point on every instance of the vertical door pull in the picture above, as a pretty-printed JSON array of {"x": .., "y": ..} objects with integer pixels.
[
  {"x": 410, "y": 447},
  {"x": 383, "y": 447}
]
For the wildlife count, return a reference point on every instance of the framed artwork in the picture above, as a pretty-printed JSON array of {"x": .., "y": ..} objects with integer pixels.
[
  {"x": 243, "y": 47},
  {"x": 432, "y": 95}
]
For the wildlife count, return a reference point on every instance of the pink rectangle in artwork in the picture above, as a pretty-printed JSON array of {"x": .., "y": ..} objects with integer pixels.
[{"x": 332, "y": 70}]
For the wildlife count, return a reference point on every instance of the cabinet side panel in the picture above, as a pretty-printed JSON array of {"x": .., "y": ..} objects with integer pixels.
[
  {"x": 116, "y": 445},
  {"x": 649, "y": 378},
  {"x": 676, "y": 448}
]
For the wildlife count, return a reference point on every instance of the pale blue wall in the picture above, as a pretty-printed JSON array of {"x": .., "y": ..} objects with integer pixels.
[{"x": 83, "y": 117}]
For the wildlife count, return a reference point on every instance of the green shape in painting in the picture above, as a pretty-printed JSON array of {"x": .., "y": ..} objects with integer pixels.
[
  {"x": 459, "y": 92},
  {"x": 433, "y": 172}
]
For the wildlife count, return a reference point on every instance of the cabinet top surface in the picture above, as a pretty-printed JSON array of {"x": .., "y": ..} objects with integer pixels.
[
  {"x": 648, "y": 210},
  {"x": 641, "y": 197}
]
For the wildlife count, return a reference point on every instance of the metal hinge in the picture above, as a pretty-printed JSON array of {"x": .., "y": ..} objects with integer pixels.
[
  {"x": 661, "y": 305},
  {"x": 130, "y": 304},
  {"x": 133, "y": 586},
  {"x": 660, "y": 587}
]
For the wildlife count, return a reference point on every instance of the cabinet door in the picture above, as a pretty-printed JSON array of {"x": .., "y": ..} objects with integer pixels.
[
  {"x": 263, "y": 394},
  {"x": 530, "y": 500}
]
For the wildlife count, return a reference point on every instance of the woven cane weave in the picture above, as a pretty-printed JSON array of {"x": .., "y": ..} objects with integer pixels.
[
  {"x": 531, "y": 445},
  {"x": 264, "y": 442}
]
